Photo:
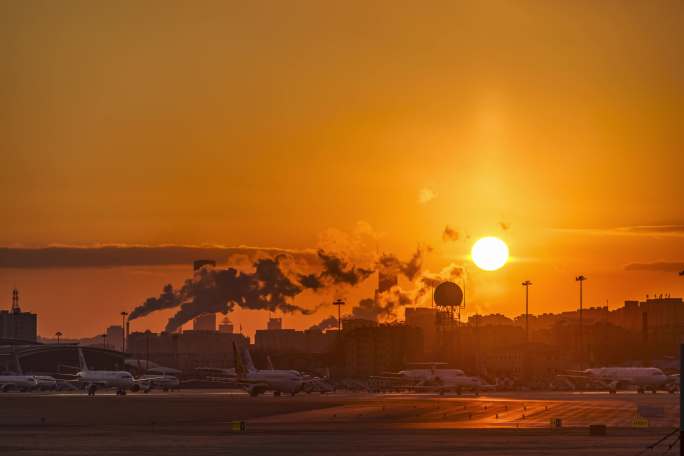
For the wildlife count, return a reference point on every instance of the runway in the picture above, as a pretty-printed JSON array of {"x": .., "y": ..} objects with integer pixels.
[{"x": 198, "y": 422}]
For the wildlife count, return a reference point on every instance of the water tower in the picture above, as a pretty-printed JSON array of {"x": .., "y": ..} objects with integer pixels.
[{"x": 448, "y": 298}]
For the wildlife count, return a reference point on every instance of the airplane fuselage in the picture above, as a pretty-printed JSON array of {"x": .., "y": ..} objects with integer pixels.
[
  {"x": 19, "y": 382},
  {"x": 643, "y": 377}
]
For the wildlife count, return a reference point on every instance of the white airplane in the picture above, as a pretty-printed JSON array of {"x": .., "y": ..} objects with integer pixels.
[
  {"x": 166, "y": 382},
  {"x": 94, "y": 379},
  {"x": 612, "y": 378},
  {"x": 436, "y": 380},
  {"x": 259, "y": 381},
  {"x": 18, "y": 382},
  {"x": 47, "y": 383},
  {"x": 433, "y": 375}
]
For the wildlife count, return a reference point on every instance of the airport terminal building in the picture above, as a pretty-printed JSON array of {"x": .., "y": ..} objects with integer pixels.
[{"x": 20, "y": 356}]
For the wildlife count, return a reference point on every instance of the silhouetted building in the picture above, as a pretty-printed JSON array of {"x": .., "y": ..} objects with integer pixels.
[
  {"x": 52, "y": 359},
  {"x": 15, "y": 324},
  {"x": 543, "y": 361},
  {"x": 274, "y": 323},
  {"x": 204, "y": 322},
  {"x": 187, "y": 350},
  {"x": 226, "y": 326},
  {"x": 289, "y": 340},
  {"x": 115, "y": 337},
  {"x": 372, "y": 350},
  {"x": 350, "y": 324},
  {"x": 424, "y": 318}
]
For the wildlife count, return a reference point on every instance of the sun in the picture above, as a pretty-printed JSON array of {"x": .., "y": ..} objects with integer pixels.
[{"x": 489, "y": 253}]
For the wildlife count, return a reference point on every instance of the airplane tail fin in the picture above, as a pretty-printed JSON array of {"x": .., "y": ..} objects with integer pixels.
[
  {"x": 247, "y": 358},
  {"x": 81, "y": 360},
  {"x": 243, "y": 360},
  {"x": 237, "y": 359}
]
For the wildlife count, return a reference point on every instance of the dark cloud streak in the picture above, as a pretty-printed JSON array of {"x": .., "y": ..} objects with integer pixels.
[{"x": 117, "y": 256}]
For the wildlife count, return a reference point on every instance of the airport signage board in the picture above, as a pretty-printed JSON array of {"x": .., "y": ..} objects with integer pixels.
[{"x": 639, "y": 422}]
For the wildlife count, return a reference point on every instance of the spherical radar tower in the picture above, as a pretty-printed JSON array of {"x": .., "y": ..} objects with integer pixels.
[{"x": 448, "y": 298}]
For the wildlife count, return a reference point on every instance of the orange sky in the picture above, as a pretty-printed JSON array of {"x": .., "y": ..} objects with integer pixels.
[{"x": 270, "y": 123}]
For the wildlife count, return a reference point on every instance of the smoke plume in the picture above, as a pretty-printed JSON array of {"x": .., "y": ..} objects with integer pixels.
[
  {"x": 167, "y": 300},
  {"x": 326, "y": 323},
  {"x": 270, "y": 287},
  {"x": 449, "y": 234},
  {"x": 391, "y": 265}
]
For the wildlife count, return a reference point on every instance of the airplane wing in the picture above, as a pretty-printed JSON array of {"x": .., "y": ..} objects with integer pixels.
[
  {"x": 586, "y": 377},
  {"x": 597, "y": 381},
  {"x": 217, "y": 370},
  {"x": 149, "y": 379},
  {"x": 387, "y": 377},
  {"x": 232, "y": 380}
]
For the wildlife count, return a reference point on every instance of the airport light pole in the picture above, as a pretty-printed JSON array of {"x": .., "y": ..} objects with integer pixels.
[
  {"x": 124, "y": 314},
  {"x": 527, "y": 284},
  {"x": 104, "y": 340},
  {"x": 58, "y": 334},
  {"x": 580, "y": 278},
  {"x": 339, "y": 303}
]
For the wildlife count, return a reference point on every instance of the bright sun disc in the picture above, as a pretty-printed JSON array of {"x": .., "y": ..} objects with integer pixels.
[{"x": 489, "y": 253}]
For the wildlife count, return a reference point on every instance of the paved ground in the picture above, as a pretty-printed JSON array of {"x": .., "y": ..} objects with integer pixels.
[{"x": 198, "y": 422}]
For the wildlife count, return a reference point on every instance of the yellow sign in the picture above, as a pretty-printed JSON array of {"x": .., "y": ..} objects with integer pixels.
[
  {"x": 639, "y": 422},
  {"x": 238, "y": 426}
]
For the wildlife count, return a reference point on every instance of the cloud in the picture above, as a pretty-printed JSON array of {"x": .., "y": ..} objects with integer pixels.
[
  {"x": 450, "y": 234},
  {"x": 135, "y": 255},
  {"x": 425, "y": 195},
  {"x": 661, "y": 266},
  {"x": 653, "y": 229},
  {"x": 635, "y": 230}
]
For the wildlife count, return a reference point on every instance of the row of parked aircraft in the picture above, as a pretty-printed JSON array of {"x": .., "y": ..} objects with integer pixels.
[
  {"x": 91, "y": 380},
  {"x": 258, "y": 381},
  {"x": 430, "y": 377}
]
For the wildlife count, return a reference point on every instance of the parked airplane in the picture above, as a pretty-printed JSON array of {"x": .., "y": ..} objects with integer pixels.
[
  {"x": 94, "y": 379},
  {"x": 612, "y": 378},
  {"x": 432, "y": 375},
  {"x": 18, "y": 382},
  {"x": 434, "y": 379},
  {"x": 259, "y": 381},
  {"x": 165, "y": 382}
]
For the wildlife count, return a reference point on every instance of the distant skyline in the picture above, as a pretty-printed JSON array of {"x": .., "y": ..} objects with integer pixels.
[{"x": 278, "y": 126}]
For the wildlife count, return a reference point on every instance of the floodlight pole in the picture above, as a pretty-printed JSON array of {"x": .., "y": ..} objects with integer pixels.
[
  {"x": 527, "y": 284},
  {"x": 580, "y": 278},
  {"x": 123, "y": 331}
]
